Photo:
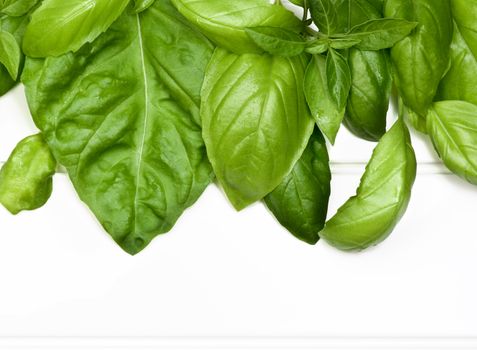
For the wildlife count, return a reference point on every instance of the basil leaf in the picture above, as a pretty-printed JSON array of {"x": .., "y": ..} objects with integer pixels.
[
  {"x": 379, "y": 34},
  {"x": 60, "y": 26},
  {"x": 323, "y": 107},
  {"x": 343, "y": 43},
  {"x": 121, "y": 115},
  {"x": 16, "y": 27},
  {"x": 465, "y": 13},
  {"x": 318, "y": 46},
  {"x": 141, "y": 5},
  {"x": 224, "y": 22},
  {"x": 421, "y": 59},
  {"x": 326, "y": 16},
  {"x": 6, "y": 81},
  {"x": 338, "y": 77},
  {"x": 26, "y": 177},
  {"x": 452, "y": 126},
  {"x": 277, "y": 41},
  {"x": 378, "y": 4},
  {"x": 17, "y": 8},
  {"x": 382, "y": 197},
  {"x": 300, "y": 3},
  {"x": 10, "y": 55},
  {"x": 255, "y": 121},
  {"x": 300, "y": 202},
  {"x": 459, "y": 82},
  {"x": 370, "y": 91}
]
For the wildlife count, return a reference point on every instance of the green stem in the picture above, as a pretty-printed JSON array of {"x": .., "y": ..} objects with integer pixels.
[{"x": 305, "y": 11}]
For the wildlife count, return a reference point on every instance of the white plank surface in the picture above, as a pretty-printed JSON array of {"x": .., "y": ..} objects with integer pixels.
[{"x": 220, "y": 273}]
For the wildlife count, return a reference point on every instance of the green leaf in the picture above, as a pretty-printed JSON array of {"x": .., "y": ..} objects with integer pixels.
[
  {"x": 277, "y": 41},
  {"x": 343, "y": 43},
  {"x": 326, "y": 15},
  {"x": 16, "y": 27},
  {"x": 369, "y": 95},
  {"x": 382, "y": 197},
  {"x": 26, "y": 177},
  {"x": 323, "y": 107},
  {"x": 224, "y": 22},
  {"x": 300, "y": 202},
  {"x": 465, "y": 13},
  {"x": 452, "y": 126},
  {"x": 338, "y": 77},
  {"x": 60, "y": 26},
  {"x": 17, "y": 8},
  {"x": 318, "y": 46},
  {"x": 255, "y": 121},
  {"x": 6, "y": 81},
  {"x": 300, "y": 3},
  {"x": 368, "y": 99},
  {"x": 121, "y": 115},
  {"x": 379, "y": 34},
  {"x": 421, "y": 59},
  {"x": 142, "y": 5},
  {"x": 10, "y": 54},
  {"x": 460, "y": 81}
]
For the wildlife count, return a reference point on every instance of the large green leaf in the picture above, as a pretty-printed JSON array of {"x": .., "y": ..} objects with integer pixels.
[
  {"x": 382, "y": 197},
  {"x": 26, "y": 177},
  {"x": 452, "y": 126},
  {"x": 460, "y": 81},
  {"x": 465, "y": 13},
  {"x": 121, "y": 115},
  {"x": 300, "y": 202},
  {"x": 60, "y": 26},
  {"x": 256, "y": 121},
  {"x": 224, "y": 21},
  {"x": 421, "y": 59}
]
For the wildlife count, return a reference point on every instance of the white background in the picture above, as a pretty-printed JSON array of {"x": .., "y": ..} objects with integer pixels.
[{"x": 233, "y": 279}]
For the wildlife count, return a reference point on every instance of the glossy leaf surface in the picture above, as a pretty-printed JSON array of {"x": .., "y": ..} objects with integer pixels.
[
  {"x": 10, "y": 55},
  {"x": 256, "y": 123},
  {"x": 60, "y": 26},
  {"x": 323, "y": 107},
  {"x": 26, "y": 177},
  {"x": 121, "y": 115},
  {"x": 224, "y": 21},
  {"x": 300, "y": 202},
  {"x": 382, "y": 197},
  {"x": 421, "y": 59},
  {"x": 277, "y": 41},
  {"x": 452, "y": 126}
]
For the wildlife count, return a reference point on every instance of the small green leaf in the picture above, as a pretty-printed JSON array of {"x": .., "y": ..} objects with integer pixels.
[
  {"x": 382, "y": 197},
  {"x": 379, "y": 34},
  {"x": 343, "y": 43},
  {"x": 325, "y": 15},
  {"x": 338, "y": 77},
  {"x": 277, "y": 41},
  {"x": 323, "y": 108},
  {"x": 60, "y": 26},
  {"x": 142, "y": 5},
  {"x": 452, "y": 126},
  {"x": 318, "y": 46},
  {"x": 26, "y": 177},
  {"x": 300, "y": 202},
  {"x": 10, "y": 54}
]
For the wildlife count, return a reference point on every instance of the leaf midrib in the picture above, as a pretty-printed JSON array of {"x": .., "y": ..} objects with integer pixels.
[{"x": 140, "y": 152}]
